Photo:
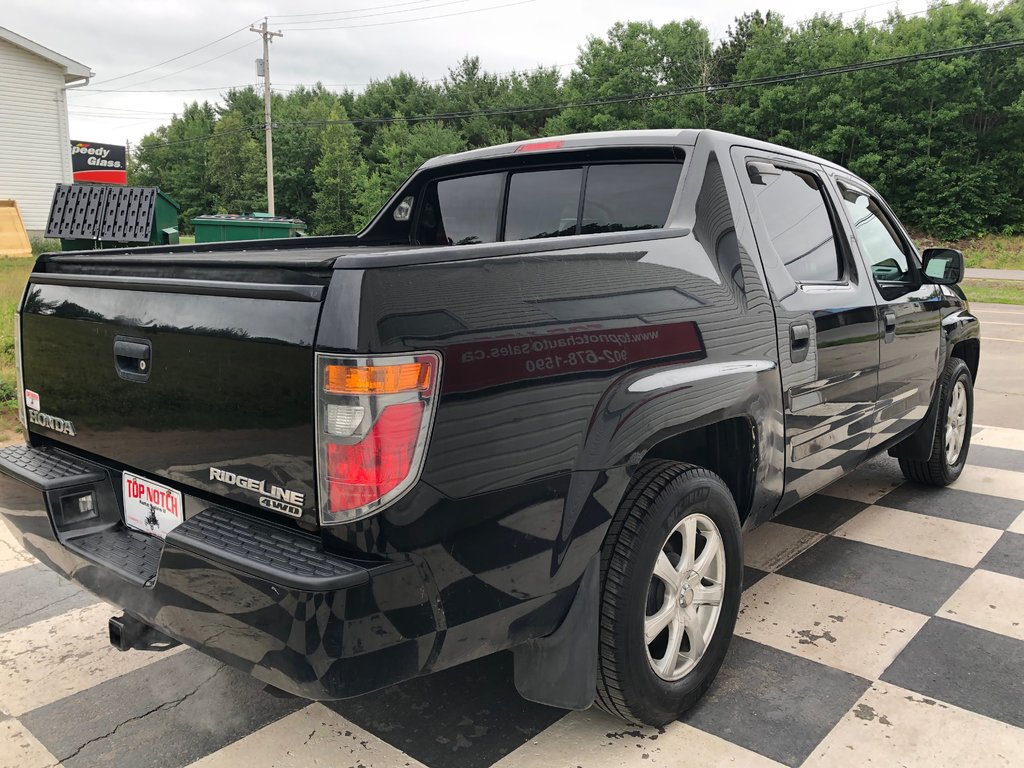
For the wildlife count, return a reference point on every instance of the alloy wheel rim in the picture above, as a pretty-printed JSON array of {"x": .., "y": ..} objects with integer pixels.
[
  {"x": 956, "y": 422},
  {"x": 684, "y": 598}
]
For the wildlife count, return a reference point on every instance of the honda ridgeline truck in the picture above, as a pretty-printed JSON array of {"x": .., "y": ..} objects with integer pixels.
[{"x": 531, "y": 406}]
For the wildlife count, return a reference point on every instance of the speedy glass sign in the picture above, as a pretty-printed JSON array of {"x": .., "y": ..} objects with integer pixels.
[{"x": 99, "y": 163}]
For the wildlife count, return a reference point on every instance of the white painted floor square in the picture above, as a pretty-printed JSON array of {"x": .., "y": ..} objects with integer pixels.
[
  {"x": 594, "y": 739},
  {"x": 20, "y": 749},
  {"x": 992, "y": 601},
  {"x": 992, "y": 482},
  {"x": 891, "y": 726},
  {"x": 999, "y": 437},
  {"x": 57, "y": 657},
  {"x": 841, "y": 630},
  {"x": 12, "y": 556},
  {"x": 940, "y": 539},
  {"x": 312, "y": 736},
  {"x": 1017, "y": 526}
]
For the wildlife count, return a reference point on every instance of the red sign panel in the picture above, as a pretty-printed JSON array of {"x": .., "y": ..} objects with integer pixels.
[{"x": 476, "y": 365}]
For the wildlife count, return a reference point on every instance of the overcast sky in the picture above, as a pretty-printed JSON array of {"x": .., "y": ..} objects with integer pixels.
[{"x": 335, "y": 43}]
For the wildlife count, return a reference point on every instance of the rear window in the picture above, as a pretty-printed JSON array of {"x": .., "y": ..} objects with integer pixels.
[
  {"x": 543, "y": 204},
  {"x": 546, "y": 203},
  {"x": 620, "y": 198}
]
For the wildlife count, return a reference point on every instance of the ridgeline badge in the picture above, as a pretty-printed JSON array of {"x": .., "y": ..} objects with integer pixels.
[{"x": 272, "y": 497}]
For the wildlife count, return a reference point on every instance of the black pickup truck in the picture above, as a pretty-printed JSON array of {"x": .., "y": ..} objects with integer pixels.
[{"x": 531, "y": 406}]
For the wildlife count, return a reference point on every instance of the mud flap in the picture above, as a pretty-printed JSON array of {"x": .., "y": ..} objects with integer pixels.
[
  {"x": 560, "y": 670},
  {"x": 918, "y": 445}
]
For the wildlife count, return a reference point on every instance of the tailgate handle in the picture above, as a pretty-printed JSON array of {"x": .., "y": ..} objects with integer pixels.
[{"x": 132, "y": 358}]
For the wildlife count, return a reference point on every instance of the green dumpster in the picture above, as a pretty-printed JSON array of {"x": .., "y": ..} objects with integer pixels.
[
  {"x": 217, "y": 228},
  {"x": 87, "y": 216}
]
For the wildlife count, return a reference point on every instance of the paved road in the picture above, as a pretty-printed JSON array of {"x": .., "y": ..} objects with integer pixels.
[
  {"x": 1000, "y": 384},
  {"x": 882, "y": 623}
]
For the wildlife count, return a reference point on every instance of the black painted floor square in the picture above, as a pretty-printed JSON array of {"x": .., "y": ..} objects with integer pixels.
[
  {"x": 953, "y": 504},
  {"x": 971, "y": 668},
  {"x": 998, "y": 458},
  {"x": 751, "y": 576},
  {"x": 167, "y": 714},
  {"x": 34, "y": 593},
  {"x": 1006, "y": 555},
  {"x": 821, "y": 513},
  {"x": 775, "y": 703},
  {"x": 907, "y": 581},
  {"x": 468, "y": 716}
]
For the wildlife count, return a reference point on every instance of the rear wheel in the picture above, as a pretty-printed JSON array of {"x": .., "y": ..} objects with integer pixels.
[
  {"x": 672, "y": 576},
  {"x": 952, "y": 431}
]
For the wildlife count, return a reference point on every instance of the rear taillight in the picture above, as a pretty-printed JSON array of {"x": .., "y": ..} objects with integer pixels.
[
  {"x": 373, "y": 424},
  {"x": 20, "y": 374}
]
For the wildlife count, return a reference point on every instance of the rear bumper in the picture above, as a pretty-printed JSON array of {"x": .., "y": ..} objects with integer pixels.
[{"x": 259, "y": 597}]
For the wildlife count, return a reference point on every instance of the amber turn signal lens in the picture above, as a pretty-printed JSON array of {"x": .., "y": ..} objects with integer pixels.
[{"x": 376, "y": 379}]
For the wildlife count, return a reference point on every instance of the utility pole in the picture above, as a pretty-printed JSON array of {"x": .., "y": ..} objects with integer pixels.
[{"x": 267, "y": 37}]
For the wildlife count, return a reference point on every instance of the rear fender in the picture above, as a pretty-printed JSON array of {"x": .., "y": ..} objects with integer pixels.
[{"x": 645, "y": 408}]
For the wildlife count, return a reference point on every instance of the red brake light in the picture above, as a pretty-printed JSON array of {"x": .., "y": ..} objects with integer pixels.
[
  {"x": 361, "y": 473},
  {"x": 540, "y": 146}
]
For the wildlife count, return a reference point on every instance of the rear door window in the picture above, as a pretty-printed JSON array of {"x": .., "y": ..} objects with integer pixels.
[
  {"x": 543, "y": 204},
  {"x": 620, "y": 198},
  {"x": 792, "y": 205}
]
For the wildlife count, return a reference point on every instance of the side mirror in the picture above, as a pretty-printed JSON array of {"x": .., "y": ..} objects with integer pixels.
[{"x": 943, "y": 266}]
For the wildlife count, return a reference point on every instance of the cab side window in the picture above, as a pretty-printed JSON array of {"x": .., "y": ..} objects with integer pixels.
[
  {"x": 461, "y": 211},
  {"x": 879, "y": 240},
  {"x": 793, "y": 206}
]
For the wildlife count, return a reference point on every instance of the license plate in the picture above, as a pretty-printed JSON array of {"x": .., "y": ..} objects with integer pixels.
[{"x": 151, "y": 507}]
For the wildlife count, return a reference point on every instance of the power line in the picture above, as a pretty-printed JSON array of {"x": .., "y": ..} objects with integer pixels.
[
  {"x": 125, "y": 110},
  {"x": 422, "y": 18},
  {"x": 294, "y": 24},
  {"x": 174, "y": 58},
  {"x": 353, "y": 10},
  {"x": 530, "y": 71},
  {"x": 193, "y": 66},
  {"x": 90, "y": 92},
  {"x": 652, "y": 96}
]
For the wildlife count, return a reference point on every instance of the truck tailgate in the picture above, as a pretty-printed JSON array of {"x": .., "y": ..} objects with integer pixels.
[{"x": 175, "y": 371}]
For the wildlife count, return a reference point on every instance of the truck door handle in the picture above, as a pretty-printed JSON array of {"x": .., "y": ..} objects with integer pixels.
[
  {"x": 132, "y": 358},
  {"x": 799, "y": 341},
  {"x": 889, "y": 318}
]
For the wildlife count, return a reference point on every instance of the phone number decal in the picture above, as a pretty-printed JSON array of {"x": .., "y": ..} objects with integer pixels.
[{"x": 493, "y": 362}]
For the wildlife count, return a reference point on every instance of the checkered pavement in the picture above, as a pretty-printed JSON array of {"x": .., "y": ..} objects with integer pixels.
[{"x": 882, "y": 623}]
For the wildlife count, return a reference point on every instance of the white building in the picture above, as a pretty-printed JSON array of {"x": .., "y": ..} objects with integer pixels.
[{"x": 35, "y": 150}]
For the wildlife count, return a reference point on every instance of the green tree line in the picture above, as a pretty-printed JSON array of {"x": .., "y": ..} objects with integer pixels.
[{"x": 943, "y": 140}]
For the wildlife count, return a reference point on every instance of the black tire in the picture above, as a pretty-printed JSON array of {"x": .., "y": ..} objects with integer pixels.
[
  {"x": 936, "y": 469},
  {"x": 661, "y": 495}
]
